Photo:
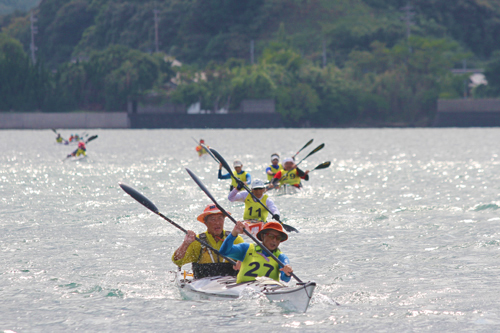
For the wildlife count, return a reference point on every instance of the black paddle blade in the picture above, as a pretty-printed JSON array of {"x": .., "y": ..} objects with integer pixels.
[
  {"x": 318, "y": 148},
  {"x": 289, "y": 228},
  {"x": 221, "y": 160},
  {"x": 91, "y": 138},
  {"x": 201, "y": 185},
  {"x": 54, "y": 130},
  {"x": 140, "y": 198},
  {"x": 323, "y": 165}
]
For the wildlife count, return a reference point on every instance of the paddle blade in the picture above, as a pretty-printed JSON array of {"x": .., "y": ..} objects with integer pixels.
[
  {"x": 140, "y": 198},
  {"x": 318, "y": 148},
  {"x": 323, "y": 165},
  {"x": 221, "y": 160},
  {"x": 53, "y": 129},
  {"x": 210, "y": 152},
  {"x": 301, "y": 149},
  {"x": 201, "y": 185},
  {"x": 289, "y": 228},
  {"x": 93, "y": 137}
]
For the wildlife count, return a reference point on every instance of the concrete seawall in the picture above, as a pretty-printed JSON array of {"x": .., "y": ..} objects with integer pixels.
[{"x": 45, "y": 120}]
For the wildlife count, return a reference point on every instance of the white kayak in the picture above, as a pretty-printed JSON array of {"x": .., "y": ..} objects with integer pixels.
[{"x": 295, "y": 298}]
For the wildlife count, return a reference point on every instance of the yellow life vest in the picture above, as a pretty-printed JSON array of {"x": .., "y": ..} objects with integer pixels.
[
  {"x": 254, "y": 210},
  {"x": 274, "y": 170},
  {"x": 291, "y": 177},
  {"x": 256, "y": 264},
  {"x": 59, "y": 139},
  {"x": 242, "y": 177},
  {"x": 206, "y": 255},
  {"x": 80, "y": 152}
]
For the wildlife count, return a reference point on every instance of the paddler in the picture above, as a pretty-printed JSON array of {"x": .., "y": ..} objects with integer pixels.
[
  {"x": 204, "y": 261},
  {"x": 200, "y": 150},
  {"x": 274, "y": 167},
  {"x": 81, "y": 150},
  {"x": 255, "y": 215},
  {"x": 290, "y": 175},
  {"x": 239, "y": 173},
  {"x": 60, "y": 139},
  {"x": 255, "y": 261}
]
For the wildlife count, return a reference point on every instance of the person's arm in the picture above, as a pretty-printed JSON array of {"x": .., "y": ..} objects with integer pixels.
[
  {"x": 221, "y": 176},
  {"x": 284, "y": 259},
  {"x": 269, "y": 171},
  {"x": 276, "y": 178},
  {"x": 234, "y": 251},
  {"x": 302, "y": 174},
  {"x": 249, "y": 179},
  {"x": 184, "y": 254},
  {"x": 272, "y": 207},
  {"x": 236, "y": 195}
]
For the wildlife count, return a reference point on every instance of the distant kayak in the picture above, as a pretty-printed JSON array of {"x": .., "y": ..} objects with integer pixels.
[{"x": 295, "y": 298}]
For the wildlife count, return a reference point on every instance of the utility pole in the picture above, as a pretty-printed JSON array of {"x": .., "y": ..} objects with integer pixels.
[
  {"x": 156, "y": 11},
  {"x": 464, "y": 63},
  {"x": 408, "y": 16},
  {"x": 324, "y": 53},
  {"x": 252, "y": 50},
  {"x": 34, "y": 31}
]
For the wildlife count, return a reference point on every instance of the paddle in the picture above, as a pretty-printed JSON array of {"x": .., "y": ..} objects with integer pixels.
[
  {"x": 197, "y": 141},
  {"x": 209, "y": 152},
  {"x": 307, "y": 144},
  {"x": 204, "y": 189},
  {"x": 226, "y": 166},
  {"x": 93, "y": 137},
  {"x": 151, "y": 206},
  {"x": 318, "y": 148},
  {"x": 323, "y": 165}
]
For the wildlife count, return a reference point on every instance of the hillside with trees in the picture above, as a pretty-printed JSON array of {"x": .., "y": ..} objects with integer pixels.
[{"x": 329, "y": 62}]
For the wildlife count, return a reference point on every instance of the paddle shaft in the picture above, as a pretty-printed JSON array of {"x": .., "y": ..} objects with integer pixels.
[
  {"x": 226, "y": 166},
  {"x": 301, "y": 149},
  {"x": 139, "y": 197},
  {"x": 204, "y": 189},
  {"x": 231, "y": 261},
  {"x": 318, "y": 148}
]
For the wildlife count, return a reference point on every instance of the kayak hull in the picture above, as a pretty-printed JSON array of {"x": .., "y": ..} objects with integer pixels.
[{"x": 295, "y": 298}]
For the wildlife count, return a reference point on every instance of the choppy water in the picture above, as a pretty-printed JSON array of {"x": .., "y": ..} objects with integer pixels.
[{"x": 402, "y": 230}]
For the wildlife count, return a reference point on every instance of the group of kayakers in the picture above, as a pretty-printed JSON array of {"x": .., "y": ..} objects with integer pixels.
[
  {"x": 252, "y": 260},
  {"x": 81, "y": 149}
]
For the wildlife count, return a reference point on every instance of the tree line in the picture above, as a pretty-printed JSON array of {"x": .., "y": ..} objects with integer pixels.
[{"x": 98, "y": 55}]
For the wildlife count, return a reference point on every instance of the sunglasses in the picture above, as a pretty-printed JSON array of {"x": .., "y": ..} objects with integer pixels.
[{"x": 271, "y": 236}]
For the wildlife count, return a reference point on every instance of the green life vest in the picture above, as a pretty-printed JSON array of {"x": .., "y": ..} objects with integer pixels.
[
  {"x": 291, "y": 177},
  {"x": 256, "y": 264},
  {"x": 242, "y": 177},
  {"x": 254, "y": 210},
  {"x": 274, "y": 170}
]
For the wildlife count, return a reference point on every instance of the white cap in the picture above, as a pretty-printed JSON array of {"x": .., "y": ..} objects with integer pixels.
[
  {"x": 257, "y": 183},
  {"x": 275, "y": 157},
  {"x": 288, "y": 159},
  {"x": 237, "y": 163}
]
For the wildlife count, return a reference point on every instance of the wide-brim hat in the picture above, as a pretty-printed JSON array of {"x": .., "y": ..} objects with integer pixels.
[
  {"x": 272, "y": 226},
  {"x": 209, "y": 210}
]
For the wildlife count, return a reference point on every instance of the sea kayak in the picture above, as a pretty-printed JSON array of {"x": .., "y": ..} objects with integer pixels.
[{"x": 295, "y": 298}]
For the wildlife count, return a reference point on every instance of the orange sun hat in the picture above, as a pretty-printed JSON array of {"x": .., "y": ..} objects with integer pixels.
[
  {"x": 272, "y": 226},
  {"x": 209, "y": 210}
]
